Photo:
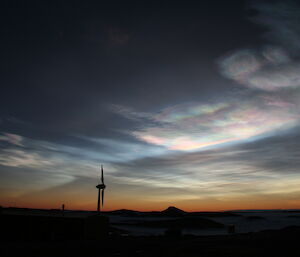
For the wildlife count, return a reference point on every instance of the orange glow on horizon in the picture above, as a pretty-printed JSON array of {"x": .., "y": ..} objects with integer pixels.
[{"x": 189, "y": 206}]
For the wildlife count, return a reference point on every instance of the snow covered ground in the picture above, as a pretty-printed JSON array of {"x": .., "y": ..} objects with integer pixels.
[{"x": 252, "y": 221}]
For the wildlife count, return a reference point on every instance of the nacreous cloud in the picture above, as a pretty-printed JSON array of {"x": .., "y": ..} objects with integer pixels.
[
  {"x": 270, "y": 70},
  {"x": 196, "y": 126}
]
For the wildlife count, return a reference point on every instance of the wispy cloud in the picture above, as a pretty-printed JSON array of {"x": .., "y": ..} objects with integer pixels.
[
  {"x": 129, "y": 112},
  {"x": 258, "y": 168},
  {"x": 12, "y": 139}
]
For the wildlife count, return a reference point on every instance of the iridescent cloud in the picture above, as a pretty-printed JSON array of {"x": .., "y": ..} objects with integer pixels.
[
  {"x": 268, "y": 70},
  {"x": 241, "y": 64},
  {"x": 196, "y": 126}
]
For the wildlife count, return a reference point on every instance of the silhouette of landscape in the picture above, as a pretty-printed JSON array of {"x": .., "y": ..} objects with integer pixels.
[{"x": 39, "y": 232}]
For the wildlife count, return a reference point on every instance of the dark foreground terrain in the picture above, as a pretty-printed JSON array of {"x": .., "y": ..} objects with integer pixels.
[
  {"x": 284, "y": 242},
  {"x": 52, "y": 233}
]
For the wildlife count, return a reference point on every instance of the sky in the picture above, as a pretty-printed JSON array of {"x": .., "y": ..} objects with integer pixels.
[{"x": 192, "y": 104}]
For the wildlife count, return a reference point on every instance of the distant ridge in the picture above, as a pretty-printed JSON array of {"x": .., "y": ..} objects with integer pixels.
[{"x": 171, "y": 211}]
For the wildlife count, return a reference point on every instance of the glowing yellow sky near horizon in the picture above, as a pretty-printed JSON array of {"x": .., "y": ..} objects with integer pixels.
[{"x": 283, "y": 195}]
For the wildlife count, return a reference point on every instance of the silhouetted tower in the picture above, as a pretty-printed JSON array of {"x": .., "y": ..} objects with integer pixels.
[{"x": 101, "y": 188}]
